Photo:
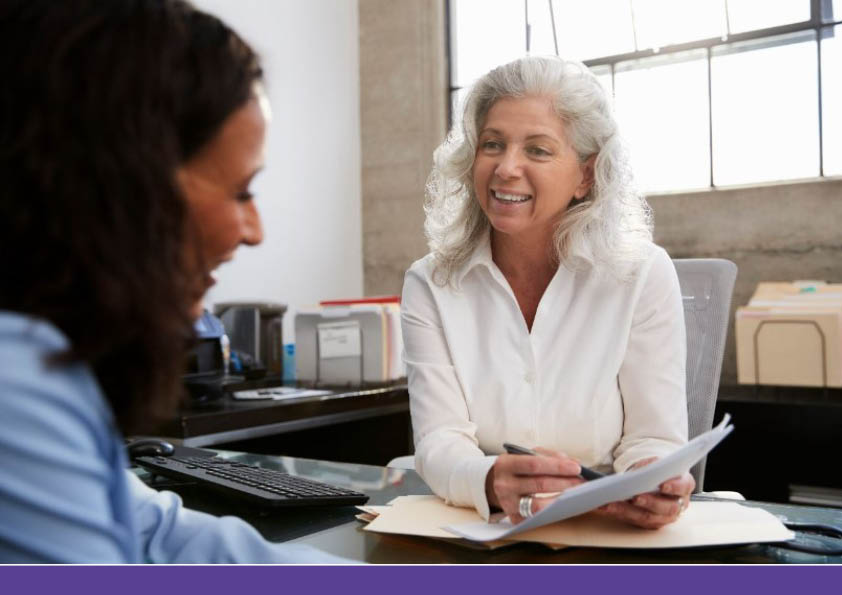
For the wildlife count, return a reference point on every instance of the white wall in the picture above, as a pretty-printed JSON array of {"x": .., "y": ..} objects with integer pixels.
[{"x": 309, "y": 193}]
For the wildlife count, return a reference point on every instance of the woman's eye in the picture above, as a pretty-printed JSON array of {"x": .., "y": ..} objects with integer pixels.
[
  {"x": 245, "y": 196},
  {"x": 491, "y": 145},
  {"x": 539, "y": 152}
]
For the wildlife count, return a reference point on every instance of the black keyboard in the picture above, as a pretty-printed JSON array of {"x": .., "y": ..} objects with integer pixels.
[{"x": 264, "y": 487}]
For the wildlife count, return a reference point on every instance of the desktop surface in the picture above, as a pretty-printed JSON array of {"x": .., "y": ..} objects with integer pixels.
[
  {"x": 227, "y": 419},
  {"x": 336, "y": 530}
]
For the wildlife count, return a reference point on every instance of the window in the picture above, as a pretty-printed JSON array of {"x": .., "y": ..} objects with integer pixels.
[{"x": 748, "y": 91}]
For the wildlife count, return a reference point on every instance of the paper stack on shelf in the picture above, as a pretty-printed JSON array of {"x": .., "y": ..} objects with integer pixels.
[
  {"x": 789, "y": 335},
  {"x": 350, "y": 342}
]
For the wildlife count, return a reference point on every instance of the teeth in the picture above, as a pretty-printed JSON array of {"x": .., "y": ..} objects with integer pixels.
[{"x": 511, "y": 197}]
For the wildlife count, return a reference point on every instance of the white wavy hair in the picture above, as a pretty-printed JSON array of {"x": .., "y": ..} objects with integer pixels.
[{"x": 609, "y": 227}]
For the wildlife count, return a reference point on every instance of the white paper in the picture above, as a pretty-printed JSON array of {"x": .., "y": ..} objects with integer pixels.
[
  {"x": 611, "y": 488},
  {"x": 339, "y": 339}
]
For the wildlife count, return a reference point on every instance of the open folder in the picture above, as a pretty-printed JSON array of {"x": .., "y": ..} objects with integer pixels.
[
  {"x": 702, "y": 524},
  {"x": 610, "y": 488},
  {"x": 564, "y": 524}
]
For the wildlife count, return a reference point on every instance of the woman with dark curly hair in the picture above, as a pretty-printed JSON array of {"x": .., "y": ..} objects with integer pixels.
[{"x": 130, "y": 131}]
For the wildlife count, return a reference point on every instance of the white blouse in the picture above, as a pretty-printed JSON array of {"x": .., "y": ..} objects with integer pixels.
[{"x": 600, "y": 377}]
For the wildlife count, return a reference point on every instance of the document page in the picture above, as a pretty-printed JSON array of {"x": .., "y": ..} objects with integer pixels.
[{"x": 611, "y": 488}]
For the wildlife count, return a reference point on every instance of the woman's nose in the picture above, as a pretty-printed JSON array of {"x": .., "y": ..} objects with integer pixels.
[
  {"x": 252, "y": 227},
  {"x": 509, "y": 165}
]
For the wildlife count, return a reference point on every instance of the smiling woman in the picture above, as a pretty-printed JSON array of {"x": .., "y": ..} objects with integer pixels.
[
  {"x": 543, "y": 315},
  {"x": 130, "y": 131},
  {"x": 215, "y": 183}
]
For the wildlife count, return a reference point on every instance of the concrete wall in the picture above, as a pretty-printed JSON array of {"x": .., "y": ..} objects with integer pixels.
[
  {"x": 309, "y": 193},
  {"x": 775, "y": 232},
  {"x": 403, "y": 101}
]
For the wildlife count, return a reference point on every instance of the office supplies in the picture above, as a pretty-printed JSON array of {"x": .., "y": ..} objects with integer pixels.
[
  {"x": 611, "y": 488},
  {"x": 255, "y": 328},
  {"x": 813, "y": 538},
  {"x": 377, "y": 299},
  {"x": 148, "y": 447},
  {"x": 258, "y": 485},
  {"x": 277, "y": 393},
  {"x": 349, "y": 343},
  {"x": 790, "y": 334},
  {"x": 514, "y": 449},
  {"x": 702, "y": 524}
]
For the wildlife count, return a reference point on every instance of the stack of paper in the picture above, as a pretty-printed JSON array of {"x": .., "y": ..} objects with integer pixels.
[
  {"x": 702, "y": 524},
  {"x": 791, "y": 334},
  {"x": 564, "y": 522},
  {"x": 349, "y": 342}
]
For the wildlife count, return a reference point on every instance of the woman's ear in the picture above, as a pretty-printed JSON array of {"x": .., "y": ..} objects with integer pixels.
[{"x": 587, "y": 177}]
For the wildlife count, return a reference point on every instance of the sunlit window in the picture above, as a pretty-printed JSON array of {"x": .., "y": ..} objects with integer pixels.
[
  {"x": 765, "y": 111},
  {"x": 707, "y": 92},
  {"x": 661, "y": 104}
]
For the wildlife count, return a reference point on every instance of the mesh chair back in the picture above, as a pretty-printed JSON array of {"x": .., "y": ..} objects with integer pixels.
[{"x": 706, "y": 288}]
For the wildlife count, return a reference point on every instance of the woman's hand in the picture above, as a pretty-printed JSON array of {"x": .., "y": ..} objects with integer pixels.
[
  {"x": 515, "y": 476},
  {"x": 653, "y": 510}
]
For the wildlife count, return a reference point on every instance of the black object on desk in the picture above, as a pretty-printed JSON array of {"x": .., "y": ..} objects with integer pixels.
[{"x": 268, "y": 488}]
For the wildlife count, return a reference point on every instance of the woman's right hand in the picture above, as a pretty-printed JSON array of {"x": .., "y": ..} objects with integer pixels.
[{"x": 515, "y": 476}]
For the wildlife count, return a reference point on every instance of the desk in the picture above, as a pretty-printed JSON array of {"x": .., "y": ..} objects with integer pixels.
[
  {"x": 335, "y": 530},
  {"x": 320, "y": 424}
]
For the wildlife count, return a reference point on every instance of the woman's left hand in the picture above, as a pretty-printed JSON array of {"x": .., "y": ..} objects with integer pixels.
[{"x": 653, "y": 510}]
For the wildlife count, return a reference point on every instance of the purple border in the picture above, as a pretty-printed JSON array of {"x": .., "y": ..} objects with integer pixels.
[{"x": 420, "y": 580}]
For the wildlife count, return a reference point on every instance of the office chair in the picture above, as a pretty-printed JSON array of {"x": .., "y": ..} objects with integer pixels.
[{"x": 706, "y": 288}]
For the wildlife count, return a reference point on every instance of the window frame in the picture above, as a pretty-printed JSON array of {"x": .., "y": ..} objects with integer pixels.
[{"x": 814, "y": 23}]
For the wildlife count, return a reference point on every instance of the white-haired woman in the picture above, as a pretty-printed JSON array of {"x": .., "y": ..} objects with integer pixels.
[{"x": 544, "y": 314}]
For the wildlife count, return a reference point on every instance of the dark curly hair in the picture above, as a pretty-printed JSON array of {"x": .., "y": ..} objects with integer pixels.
[{"x": 100, "y": 102}]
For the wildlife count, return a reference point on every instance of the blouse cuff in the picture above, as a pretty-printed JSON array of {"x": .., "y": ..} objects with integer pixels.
[{"x": 478, "y": 471}]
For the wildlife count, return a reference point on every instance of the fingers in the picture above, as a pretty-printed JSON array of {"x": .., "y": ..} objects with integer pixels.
[
  {"x": 659, "y": 505},
  {"x": 546, "y": 464},
  {"x": 516, "y": 476},
  {"x": 537, "y": 505},
  {"x": 679, "y": 486},
  {"x": 646, "y": 518},
  {"x": 633, "y": 515},
  {"x": 653, "y": 510}
]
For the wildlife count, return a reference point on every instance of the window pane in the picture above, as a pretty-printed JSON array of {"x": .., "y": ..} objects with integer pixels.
[
  {"x": 748, "y": 15},
  {"x": 765, "y": 110},
  {"x": 593, "y": 29},
  {"x": 666, "y": 22},
  {"x": 603, "y": 74},
  {"x": 832, "y": 11},
  {"x": 540, "y": 28},
  {"x": 485, "y": 34},
  {"x": 457, "y": 104},
  {"x": 832, "y": 102},
  {"x": 661, "y": 105}
]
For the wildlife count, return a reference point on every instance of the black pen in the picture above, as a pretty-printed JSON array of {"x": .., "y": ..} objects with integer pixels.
[{"x": 514, "y": 449}]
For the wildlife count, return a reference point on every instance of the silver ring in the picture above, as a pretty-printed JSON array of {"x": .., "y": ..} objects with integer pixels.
[
  {"x": 524, "y": 506},
  {"x": 685, "y": 503}
]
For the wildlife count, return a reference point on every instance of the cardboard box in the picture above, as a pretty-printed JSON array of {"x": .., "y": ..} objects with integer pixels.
[{"x": 789, "y": 335}]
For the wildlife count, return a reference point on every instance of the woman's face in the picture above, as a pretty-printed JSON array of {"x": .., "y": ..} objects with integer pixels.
[
  {"x": 216, "y": 183},
  {"x": 525, "y": 171}
]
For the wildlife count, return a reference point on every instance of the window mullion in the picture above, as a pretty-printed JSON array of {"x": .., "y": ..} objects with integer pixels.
[{"x": 710, "y": 116}]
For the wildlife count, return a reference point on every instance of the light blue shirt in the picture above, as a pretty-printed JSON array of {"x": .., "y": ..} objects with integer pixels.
[{"x": 66, "y": 494}]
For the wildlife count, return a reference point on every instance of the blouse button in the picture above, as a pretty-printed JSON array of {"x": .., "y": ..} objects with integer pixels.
[{"x": 529, "y": 377}]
